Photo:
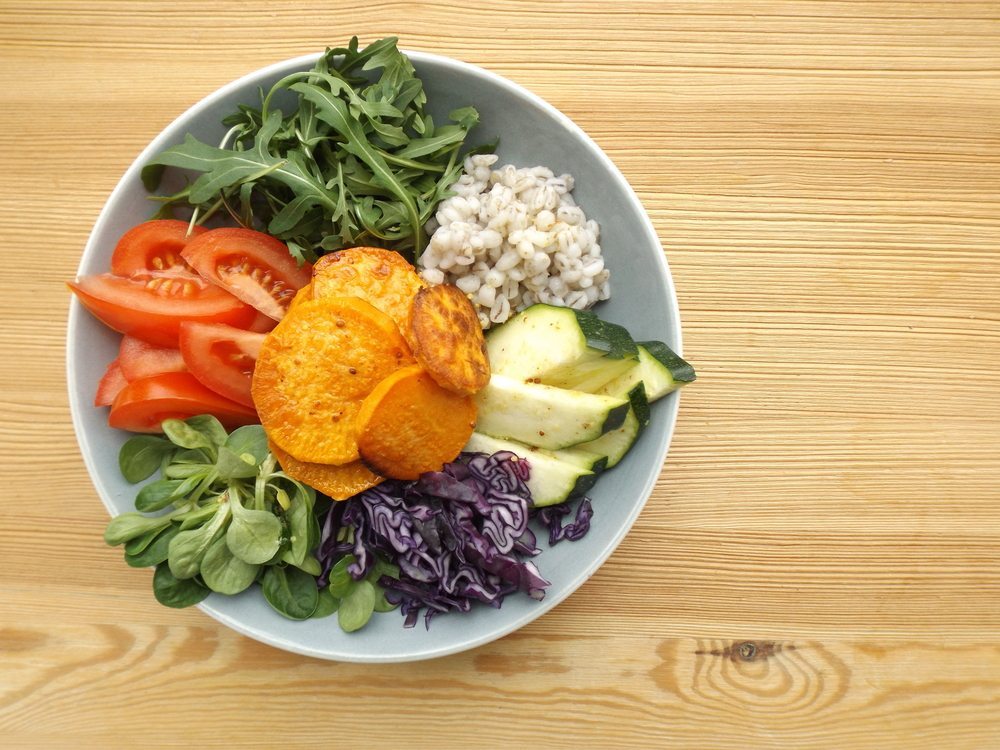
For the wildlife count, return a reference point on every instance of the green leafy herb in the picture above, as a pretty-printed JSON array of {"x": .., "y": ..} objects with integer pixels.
[
  {"x": 189, "y": 547},
  {"x": 154, "y": 553},
  {"x": 228, "y": 516},
  {"x": 291, "y": 592},
  {"x": 359, "y": 599},
  {"x": 254, "y": 536},
  {"x": 340, "y": 580},
  {"x": 158, "y": 495},
  {"x": 224, "y": 572},
  {"x": 357, "y": 607},
  {"x": 173, "y": 592},
  {"x": 142, "y": 455},
  {"x": 328, "y": 604},
  {"x": 128, "y": 526},
  {"x": 188, "y": 436},
  {"x": 356, "y": 160}
]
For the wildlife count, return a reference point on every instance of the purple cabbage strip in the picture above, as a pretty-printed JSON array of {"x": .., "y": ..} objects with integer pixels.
[
  {"x": 458, "y": 535},
  {"x": 573, "y": 531}
]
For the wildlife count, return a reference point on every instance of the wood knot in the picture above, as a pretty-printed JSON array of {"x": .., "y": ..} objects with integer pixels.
[
  {"x": 748, "y": 651},
  {"x": 760, "y": 675}
]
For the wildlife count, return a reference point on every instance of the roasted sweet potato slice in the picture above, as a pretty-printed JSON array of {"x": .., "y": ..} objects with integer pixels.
[
  {"x": 409, "y": 424},
  {"x": 339, "y": 482},
  {"x": 305, "y": 293},
  {"x": 381, "y": 277},
  {"x": 315, "y": 369},
  {"x": 446, "y": 338}
]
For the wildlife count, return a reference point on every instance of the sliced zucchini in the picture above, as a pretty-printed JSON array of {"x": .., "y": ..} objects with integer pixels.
[
  {"x": 588, "y": 374},
  {"x": 616, "y": 443},
  {"x": 545, "y": 339},
  {"x": 659, "y": 368},
  {"x": 551, "y": 480},
  {"x": 544, "y": 416},
  {"x": 585, "y": 459}
]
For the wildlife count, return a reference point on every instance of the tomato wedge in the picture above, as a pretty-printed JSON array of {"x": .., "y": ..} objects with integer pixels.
[
  {"x": 251, "y": 265},
  {"x": 221, "y": 357},
  {"x": 152, "y": 305},
  {"x": 143, "y": 404},
  {"x": 262, "y": 323},
  {"x": 110, "y": 385},
  {"x": 140, "y": 359},
  {"x": 153, "y": 246}
]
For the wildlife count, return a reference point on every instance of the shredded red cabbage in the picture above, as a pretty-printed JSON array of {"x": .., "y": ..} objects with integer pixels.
[
  {"x": 573, "y": 531},
  {"x": 459, "y": 535}
]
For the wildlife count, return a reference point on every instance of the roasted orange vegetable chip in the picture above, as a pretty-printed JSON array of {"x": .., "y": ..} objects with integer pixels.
[
  {"x": 314, "y": 370},
  {"x": 409, "y": 424},
  {"x": 305, "y": 293},
  {"x": 383, "y": 278},
  {"x": 445, "y": 337},
  {"x": 339, "y": 482}
]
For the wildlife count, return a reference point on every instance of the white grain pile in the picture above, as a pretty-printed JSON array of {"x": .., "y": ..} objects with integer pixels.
[{"x": 512, "y": 237}]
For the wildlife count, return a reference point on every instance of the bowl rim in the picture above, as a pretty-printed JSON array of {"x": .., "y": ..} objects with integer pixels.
[{"x": 78, "y": 402}]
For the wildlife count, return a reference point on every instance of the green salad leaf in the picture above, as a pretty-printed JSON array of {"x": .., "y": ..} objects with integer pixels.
[
  {"x": 175, "y": 592},
  {"x": 353, "y": 159},
  {"x": 224, "y": 516},
  {"x": 224, "y": 572},
  {"x": 291, "y": 592}
]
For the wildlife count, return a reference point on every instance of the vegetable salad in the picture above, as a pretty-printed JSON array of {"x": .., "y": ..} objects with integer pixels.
[{"x": 322, "y": 420}]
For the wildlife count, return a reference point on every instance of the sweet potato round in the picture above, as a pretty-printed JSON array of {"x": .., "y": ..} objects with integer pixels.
[
  {"x": 339, "y": 482},
  {"x": 381, "y": 277},
  {"x": 409, "y": 424},
  {"x": 315, "y": 369},
  {"x": 304, "y": 294},
  {"x": 446, "y": 338}
]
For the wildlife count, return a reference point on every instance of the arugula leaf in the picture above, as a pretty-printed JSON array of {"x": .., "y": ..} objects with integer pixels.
[
  {"x": 357, "y": 129},
  {"x": 223, "y": 168},
  {"x": 334, "y": 112}
]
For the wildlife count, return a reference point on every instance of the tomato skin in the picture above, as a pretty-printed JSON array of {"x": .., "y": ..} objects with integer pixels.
[
  {"x": 143, "y": 404},
  {"x": 140, "y": 359},
  {"x": 152, "y": 306},
  {"x": 153, "y": 246},
  {"x": 221, "y": 357},
  {"x": 110, "y": 385},
  {"x": 262, "y": 323},
  {"x": 253, "y": 266}
]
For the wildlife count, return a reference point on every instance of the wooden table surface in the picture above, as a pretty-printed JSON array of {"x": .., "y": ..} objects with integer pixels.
[{"x": 819, "y": 566}]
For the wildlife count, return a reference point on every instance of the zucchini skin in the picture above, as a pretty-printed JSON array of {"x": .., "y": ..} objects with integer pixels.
[
  {"x": 582, "y": 487},
  {"x": 616, "y": 444},
  {"x": 612, "y": 339},
  {"x": 640, "y": 405},
  {"x": 545, "y": 416},
  {"x": 616, "y": 418},
  {"x": 680, "y": 369}
]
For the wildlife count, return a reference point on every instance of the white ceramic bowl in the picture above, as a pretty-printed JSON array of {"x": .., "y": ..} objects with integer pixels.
[{"x": 531, "y": 132}]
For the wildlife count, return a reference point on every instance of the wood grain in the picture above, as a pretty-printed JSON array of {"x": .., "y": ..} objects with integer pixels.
[{"x": 819, "y": 566}]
